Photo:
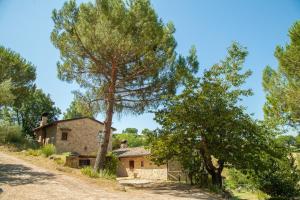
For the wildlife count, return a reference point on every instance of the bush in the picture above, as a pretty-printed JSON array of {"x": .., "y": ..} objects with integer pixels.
[
  {"x": 10, "y": 134},
  {"x": 111, "y": 164},
  {"x": 30, "y": 142},
  {"x": 280, "y": 178},
  {"x": 32, "y": 152},
  {"x": 237, "y": 179},
  {"x": 88, "y": 171},
  {"x": 107, "y": 174},
  {"x": 48, "y": 150}
]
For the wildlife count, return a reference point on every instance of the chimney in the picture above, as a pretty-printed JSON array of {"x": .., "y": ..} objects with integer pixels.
[
  {"x": 44, "y": 119},
  {"x": 124, "y": 144}
]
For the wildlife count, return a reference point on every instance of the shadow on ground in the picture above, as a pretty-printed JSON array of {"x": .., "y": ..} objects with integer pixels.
[
  {"x": 179, "y": 190},
  {"x": 14, "y": 174}
]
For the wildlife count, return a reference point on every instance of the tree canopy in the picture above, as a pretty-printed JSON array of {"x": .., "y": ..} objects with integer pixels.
[
  {"x": 16, "y": 78},
  {"x": 282, "y": 86},
  {"x": 208, "y": 117},
  {"x": 29, "y": 113},
  {"x": 121, "y": 52},
  {"x": 81, "y": 106}
]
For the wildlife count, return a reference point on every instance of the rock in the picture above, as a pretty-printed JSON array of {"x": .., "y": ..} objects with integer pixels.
[
  {"x": 1, "y": 190},
  {"x": 121, "y": 188}
]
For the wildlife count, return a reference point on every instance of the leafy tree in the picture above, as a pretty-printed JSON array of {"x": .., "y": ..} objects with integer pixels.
[
  {"x": 279, "y": 177},
  {"x": 81, "y": 106},
  {"x": 134, "y": 140},
  {"x": 282, "y": 86},
  {"x": 286, "y": 140},
  {"x": 6, "y": 95},
  {"x": 31, "y": 109},
  {"x": 130, "y": 130},
  {"x": 17, "y": 77},
  {"x": 116, "y": 143},
  {"x": 121, "y": 52},
  {"x": 208, "y": 112},
  {"x": 297, "y": 141}
]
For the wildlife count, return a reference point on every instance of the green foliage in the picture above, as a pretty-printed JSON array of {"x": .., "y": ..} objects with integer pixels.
[
  {"x": 107, "y": 174},
  {"x": 134, "y": 140},
  {"x": 89, "y": 171},
  {"x": 282, "y": 86},
  {"x": 237, "y": 180},
  {"x": 130, "y": 130},
  {"x": 111, "y": 164},
  {"x": 10, "y": 134},
  {"x": 121, "y": 53},
  {"x": 48, "y": 150},
  {"x": 208, "y": 113},
  {"x": 6, "y": 95},
  {"x": 116, "y": 143},
  {"x": 297, "y": 141},
  {"x": 286, "y": 140},
  {"x": 94, "y": 36},
  {"x": 280, "y": 178},
  {"x": 33, "y": 152},
  {"x": 82, "y": 107},
  {"x": 32, "y": 107},
  {"x": 16, "y": 78}
]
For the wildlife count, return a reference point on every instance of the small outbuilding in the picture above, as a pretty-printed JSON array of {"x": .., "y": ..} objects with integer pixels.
[{"x": 135, "y": 162}]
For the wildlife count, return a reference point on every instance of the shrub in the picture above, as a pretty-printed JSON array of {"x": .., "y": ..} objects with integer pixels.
[
  {"x": 280, "y": 178},
  {"x": 32, "y": 152},
  {"x": 30, "y": 142},
  {"x": 10, "y": 134},
  {"x": 237, "y": 179},
  {"x": 88, "y": 171},
  {"x": 59, "y": 160},
  {"x": 48, "y": 150},
  {"x": 111, "y": 163},
  {"x": 107, "y": 174}
]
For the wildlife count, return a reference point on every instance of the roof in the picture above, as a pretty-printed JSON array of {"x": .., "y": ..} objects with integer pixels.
[
  {"x": 65, "y": 120},
  {"x": 131, "y": 152}
]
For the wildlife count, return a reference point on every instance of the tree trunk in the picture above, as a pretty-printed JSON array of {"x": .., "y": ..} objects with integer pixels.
[
  {"x": 216, "y": 179},
  {"x": 110, "y": 100},
  {"x": 214, "y": 171}
]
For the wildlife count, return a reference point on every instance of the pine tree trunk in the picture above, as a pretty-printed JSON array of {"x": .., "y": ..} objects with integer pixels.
[{"x": 102, "y": 151}]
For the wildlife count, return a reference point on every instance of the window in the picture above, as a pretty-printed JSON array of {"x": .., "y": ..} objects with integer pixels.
[
  {"x": 131, "y": 164},
  {"x": 142, "y": 163},
  {"x": 85, "y": 162},
  {"x": 64, "y": 136}
]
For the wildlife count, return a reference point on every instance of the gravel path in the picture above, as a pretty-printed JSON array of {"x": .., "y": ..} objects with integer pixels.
[{"x": 22, "y": 180}]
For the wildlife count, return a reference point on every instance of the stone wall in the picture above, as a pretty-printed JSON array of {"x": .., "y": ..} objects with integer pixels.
[
  {"x": 49, "y": 132},
  {"x": 148, "y": 171},
  {"x": 82, "y": 136},
  {"x": 73, "y": 161}
]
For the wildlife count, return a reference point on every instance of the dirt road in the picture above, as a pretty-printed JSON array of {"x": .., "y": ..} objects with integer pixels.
[{"x": 22, "y": 180}]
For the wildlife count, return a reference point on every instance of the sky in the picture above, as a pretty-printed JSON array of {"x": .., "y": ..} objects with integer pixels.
[{"x": 210, "y": 25}]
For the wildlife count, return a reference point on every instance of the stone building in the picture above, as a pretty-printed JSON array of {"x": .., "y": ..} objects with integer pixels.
[
  {"x": 136, "y": 162},
  {"x": 78, "y": 135}
]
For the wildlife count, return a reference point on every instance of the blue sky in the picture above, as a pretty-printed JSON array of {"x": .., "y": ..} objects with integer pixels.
[{"x": 210, "y": 25}]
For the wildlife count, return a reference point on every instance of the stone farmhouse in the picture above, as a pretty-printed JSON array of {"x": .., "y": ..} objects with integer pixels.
[{"x": 78, "y": 135}]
